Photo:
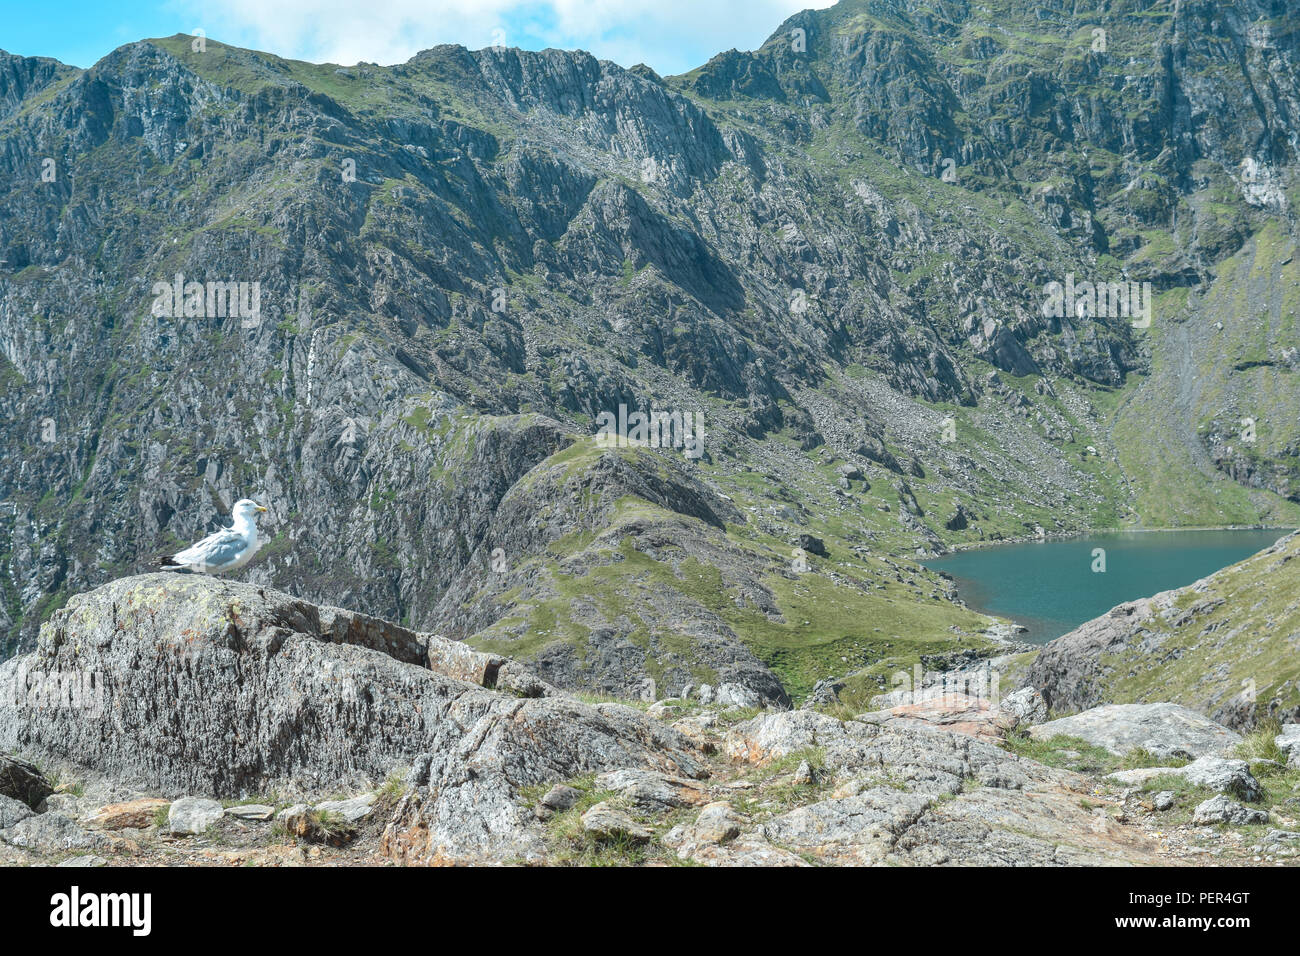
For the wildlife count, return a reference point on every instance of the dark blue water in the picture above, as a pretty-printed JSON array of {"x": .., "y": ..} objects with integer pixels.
[{"x": 1051, "y": 587}]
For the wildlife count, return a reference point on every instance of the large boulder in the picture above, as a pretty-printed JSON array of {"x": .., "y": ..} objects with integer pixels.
[
  {"x": 227, "y": 689},
  {"x": 22, "y": 781},
  {"x": 1165, "y": 730}
]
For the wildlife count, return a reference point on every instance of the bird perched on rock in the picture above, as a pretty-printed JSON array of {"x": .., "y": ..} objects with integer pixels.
[{"x": 222, "y": 551}]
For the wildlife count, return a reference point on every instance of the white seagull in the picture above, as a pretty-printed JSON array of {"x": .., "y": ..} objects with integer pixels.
[{"x": 222, "y": 551}]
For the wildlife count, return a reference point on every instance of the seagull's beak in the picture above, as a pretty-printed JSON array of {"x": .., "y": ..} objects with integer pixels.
[{"x": 260, "y": 508}]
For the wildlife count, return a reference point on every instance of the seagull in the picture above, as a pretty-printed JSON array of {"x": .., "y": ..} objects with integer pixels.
[{"x": 222, "y": 551}]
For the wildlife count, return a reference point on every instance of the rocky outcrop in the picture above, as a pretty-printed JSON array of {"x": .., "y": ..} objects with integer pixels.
[{"x": 227, "y": 689}]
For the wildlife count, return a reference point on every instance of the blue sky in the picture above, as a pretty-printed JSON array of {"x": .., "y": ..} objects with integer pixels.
[{"x": 671, "y": 36}]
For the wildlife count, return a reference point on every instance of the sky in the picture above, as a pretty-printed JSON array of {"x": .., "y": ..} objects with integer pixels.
[{"x": 671, "y": 36}]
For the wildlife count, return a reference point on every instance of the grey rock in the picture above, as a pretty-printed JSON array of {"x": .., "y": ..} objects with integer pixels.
[
  {"x": 86, "y": 860},
  {"x": 651, "y": 791},
  {"x": 1025, "y": 706},
  {"x": 1166, "y": 730},
  {"x": 1164, "y": 800},
  {"x": 1288, "y": 741},
  {"x": 51, "y": 833},
  {"x": 190, "y": 815},
  {"x": 1224, "y": 776},
  {"x": 22, "y": 781},
  {"x": 1222, "y": 810},
  {"x": 1282, "y": 836},
  {"x": 605, "y": 822},
  {"x": 11, "y": 811}
]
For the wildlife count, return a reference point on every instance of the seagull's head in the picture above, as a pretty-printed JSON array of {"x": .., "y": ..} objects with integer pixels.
[{"x": 246, "y": 509}]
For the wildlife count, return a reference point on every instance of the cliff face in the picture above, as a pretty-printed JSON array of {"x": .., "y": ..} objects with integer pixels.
[{"x": 834, "y": 249}]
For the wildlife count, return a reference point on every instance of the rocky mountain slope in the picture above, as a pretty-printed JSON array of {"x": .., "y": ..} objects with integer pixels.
[
  {"x": 229, "y": 724},
  {"x": 835, "y": 249}
]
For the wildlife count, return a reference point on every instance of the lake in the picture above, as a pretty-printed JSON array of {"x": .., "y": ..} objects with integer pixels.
[{"x": 1050, "y": 586}]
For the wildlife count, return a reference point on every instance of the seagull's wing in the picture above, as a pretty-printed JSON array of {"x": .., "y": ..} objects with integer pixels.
[{"x": 215, "y": 551}]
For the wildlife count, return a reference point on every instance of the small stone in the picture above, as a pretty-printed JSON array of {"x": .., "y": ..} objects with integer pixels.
[
  {"x": 607, "y": 823},
  {"x": 191, "y": 815},
  {"x": 804, "y": 775},
  {"x": 257, "y": 812}
]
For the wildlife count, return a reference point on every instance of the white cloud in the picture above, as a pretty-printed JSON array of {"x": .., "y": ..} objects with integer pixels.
[{"x": 669, "y": 35}]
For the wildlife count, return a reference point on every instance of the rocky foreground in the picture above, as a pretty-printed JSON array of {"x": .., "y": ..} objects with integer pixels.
[{"x": 183, "y": 719}]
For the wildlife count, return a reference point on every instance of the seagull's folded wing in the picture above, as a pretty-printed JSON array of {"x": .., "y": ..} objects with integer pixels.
[{"x": 214, "y": 551}]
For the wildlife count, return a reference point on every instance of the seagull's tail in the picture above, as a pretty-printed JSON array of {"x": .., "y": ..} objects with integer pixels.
[{"x": 167, "y": 562}]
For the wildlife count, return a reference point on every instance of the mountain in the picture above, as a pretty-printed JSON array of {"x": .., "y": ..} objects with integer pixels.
[{"x": 840, "y": 252}]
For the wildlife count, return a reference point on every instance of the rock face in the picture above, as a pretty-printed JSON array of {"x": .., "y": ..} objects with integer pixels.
[
  {"x": 1165, "y": 730},
  {"x": 227, "y": 689},
  {"x": 1221, "y": 646}
]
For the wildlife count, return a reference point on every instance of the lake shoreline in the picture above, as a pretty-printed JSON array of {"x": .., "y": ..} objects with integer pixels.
[
  {"x": 1085, "y": 532},
  {"x": 1052, "y": 584}
]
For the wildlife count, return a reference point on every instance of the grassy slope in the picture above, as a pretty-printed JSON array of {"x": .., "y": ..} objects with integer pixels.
[{"x": 1240, "y": 628}]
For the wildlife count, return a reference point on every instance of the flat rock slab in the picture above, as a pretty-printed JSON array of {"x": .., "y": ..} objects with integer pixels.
[
  {"x": 191, "y": 815},
  {"x": 136, "y": 814},
  {"x": 256, "y": 812},
  {"x": 1165, "y": 730},
  {"x": 959, "y": 713}
]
